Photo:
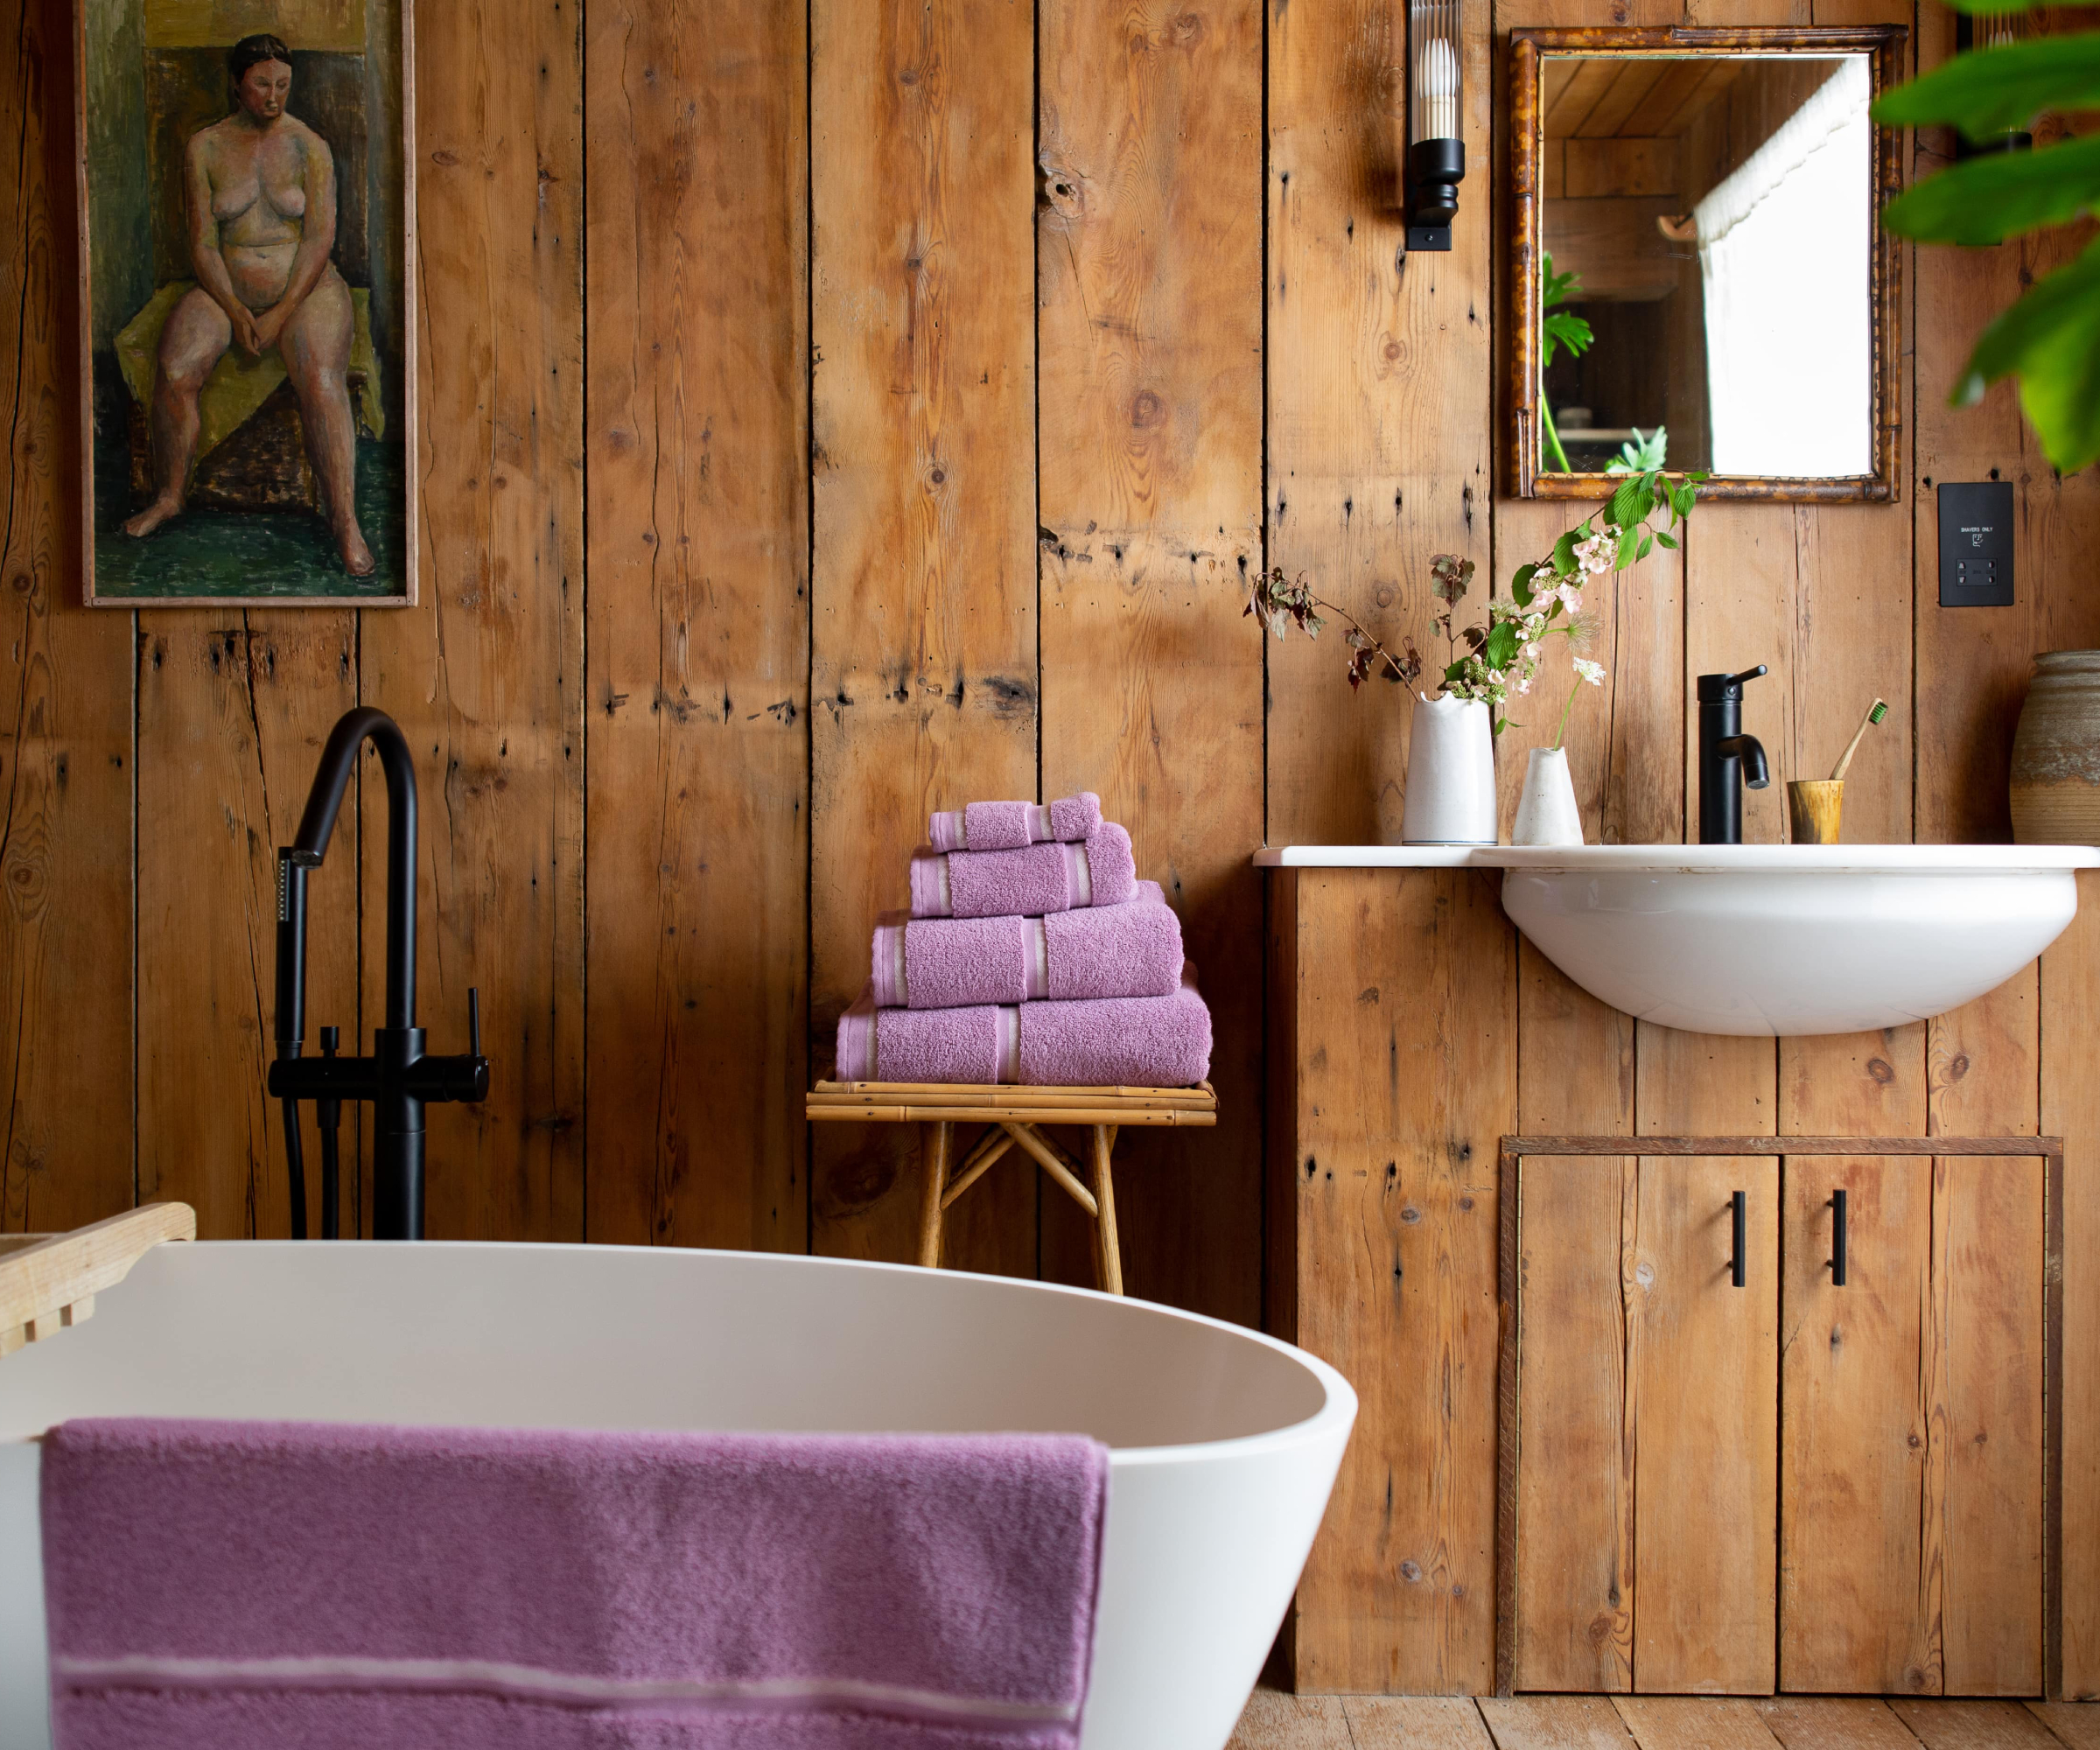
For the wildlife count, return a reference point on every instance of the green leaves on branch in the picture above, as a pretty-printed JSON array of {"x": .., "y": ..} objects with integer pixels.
[
  {"x": 2050, "y": 340},
  {"x": 1988, "y": 199}
]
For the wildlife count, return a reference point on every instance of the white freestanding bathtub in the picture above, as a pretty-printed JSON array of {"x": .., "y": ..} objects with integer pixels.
[{"x": 1224, "y": 1442}]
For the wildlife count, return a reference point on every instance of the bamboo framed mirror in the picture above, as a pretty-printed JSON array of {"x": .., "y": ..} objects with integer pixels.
[{"x": 1699, "y": 275}]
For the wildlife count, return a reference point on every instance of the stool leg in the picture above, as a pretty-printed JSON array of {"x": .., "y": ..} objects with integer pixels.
[
  {"x": 935, "y": 1141},
  {"x": 1104, "y": 1226}
]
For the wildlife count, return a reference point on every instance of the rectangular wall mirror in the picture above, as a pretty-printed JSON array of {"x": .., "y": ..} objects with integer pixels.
[{"x": 1699, "y": 277}]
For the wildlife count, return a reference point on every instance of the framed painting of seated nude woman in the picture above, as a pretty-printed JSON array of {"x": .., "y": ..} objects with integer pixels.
[{"x": 248, "y": 301}]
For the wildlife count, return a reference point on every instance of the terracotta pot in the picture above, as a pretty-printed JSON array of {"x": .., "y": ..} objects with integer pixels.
[{"x": 2056, "y": 753}]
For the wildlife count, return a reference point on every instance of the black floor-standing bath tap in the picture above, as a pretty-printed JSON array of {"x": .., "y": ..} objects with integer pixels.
[
  {"x": 399, "y": 1078},
  {"x": 1728, "y": 758}
]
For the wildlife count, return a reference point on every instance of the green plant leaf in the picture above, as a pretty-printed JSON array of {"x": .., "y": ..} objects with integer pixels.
[
  {"x": 1560, "y": 329},
  {"x": 2001, "y": 90},
  {"x": 1519, "y": 585},
  {"x": 1988, "y": 199},
  {"x": 1564, "y": 553},
  {"x": 1665, "y": 540},
  {"x": 1626, "y": 509},
  {"x": 1501, "y": 647},
  {"x": 2050, "y": 340},
  {"x": 1646, "y": 541}
]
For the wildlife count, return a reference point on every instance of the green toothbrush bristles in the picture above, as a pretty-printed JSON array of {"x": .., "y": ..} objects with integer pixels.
[{"x": 1879, "y": 712}]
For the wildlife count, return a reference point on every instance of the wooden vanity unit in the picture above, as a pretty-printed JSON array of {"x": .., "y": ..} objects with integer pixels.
[{"x": 1586, "y": 1458}]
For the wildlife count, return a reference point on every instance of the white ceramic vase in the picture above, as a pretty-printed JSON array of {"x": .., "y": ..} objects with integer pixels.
[
  {"x": 1546, "y": 813},
  {"x": 1450, "y": 775}
]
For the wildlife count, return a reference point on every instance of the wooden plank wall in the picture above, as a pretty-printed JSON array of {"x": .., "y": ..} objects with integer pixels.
[{"x": 834, "y": 413}]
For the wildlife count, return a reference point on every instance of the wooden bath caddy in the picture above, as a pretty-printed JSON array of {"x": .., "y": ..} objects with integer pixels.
[
  {"x": 48, "y": 1281},
  {"x": 1015, "y": 1115}
]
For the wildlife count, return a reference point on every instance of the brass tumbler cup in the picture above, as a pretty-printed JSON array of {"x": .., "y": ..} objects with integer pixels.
[{"x": 1813, "y": 806}]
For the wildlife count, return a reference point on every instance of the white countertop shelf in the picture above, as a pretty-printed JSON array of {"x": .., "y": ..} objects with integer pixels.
[{"x": 1893, "y": 859}]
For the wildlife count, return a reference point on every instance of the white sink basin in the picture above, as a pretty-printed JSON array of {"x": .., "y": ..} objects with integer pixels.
[{"x": 1789, "y": 938}]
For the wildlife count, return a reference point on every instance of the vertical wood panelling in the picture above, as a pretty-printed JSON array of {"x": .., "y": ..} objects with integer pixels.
[
  {"x": 1706, "y": 1491},
  {"x": 924, "y": 661},
  {"x": 2070, "y": 1109},
  {"x": 1860, "y": 1577},
  {"x": 232, "y": 710},
  {"x": 1578, "y": 1412},
  {"x": 1380, "y": 388},
  {"x": 1396, "y": 1184},
  {"x": 698, "y": 605},
  {"x": 66, "y": 951},
  {"x": 486, "y": 677},
  {"x": 1987, "y": 1256},
  {"x": 1150, "y": 426}
]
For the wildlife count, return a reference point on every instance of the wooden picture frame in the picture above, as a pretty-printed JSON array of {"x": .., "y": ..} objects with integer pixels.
[
  {"x": 1885, "y": 45},
  {"x": 254, "y": 524}
]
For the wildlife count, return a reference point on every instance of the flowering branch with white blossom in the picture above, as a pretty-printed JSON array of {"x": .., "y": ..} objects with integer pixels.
[{"x": 1502, "y": 657}]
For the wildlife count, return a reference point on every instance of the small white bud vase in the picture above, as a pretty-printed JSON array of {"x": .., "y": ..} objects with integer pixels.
[
  {"x": 1546, "y": 813},
  {"x": 1450, "y": 775}
]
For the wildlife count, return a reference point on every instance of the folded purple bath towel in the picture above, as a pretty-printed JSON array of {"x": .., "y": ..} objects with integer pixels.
[
  {"x": 238, "y": 1585},
  {"x": 1028, "y": 883},
  {"x": 1008, "y": 826},
  {"x": 1106, "y": 1042},
  {"x": 1133, "y": 949}
]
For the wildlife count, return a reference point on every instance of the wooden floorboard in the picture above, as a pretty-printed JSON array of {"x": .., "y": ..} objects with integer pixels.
[
  {"x": 2076, "y": 1723},
  {"x": 1975, "y": 1725},
  {"x": 1277, "y": 1721},
  {"x": 1561, "y": 1722},
  {"x": 1415, "y": 1723},
  {"x": 1835, "y": 1723}
]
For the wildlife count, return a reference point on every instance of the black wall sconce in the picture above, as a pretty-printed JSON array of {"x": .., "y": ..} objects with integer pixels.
[
  {"x": 1436, "y": 154},
  {"x": 1991, "y": 31}
]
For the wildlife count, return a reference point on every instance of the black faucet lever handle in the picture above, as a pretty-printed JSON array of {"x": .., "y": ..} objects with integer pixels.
[
  {"x": 474, "y": 1020},
  {"x": 1748, "y": 675}
]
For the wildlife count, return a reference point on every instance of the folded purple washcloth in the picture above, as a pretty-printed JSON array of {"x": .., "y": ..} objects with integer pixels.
[
  {"x": 1027, "y": 883},
  {"x": 1104, "y": 1042},
  {"x": 1133, "y": 949},
  {"x": 244, "y": 1585},
  {"x": 1008, "y": 826}
]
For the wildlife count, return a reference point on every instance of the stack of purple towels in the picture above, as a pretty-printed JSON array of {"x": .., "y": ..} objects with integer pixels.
[{"x": 1032, "y": 954}]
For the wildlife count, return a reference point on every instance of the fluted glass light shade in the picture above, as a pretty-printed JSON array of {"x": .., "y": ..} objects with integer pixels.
[{"x": 1436, "y": 154}]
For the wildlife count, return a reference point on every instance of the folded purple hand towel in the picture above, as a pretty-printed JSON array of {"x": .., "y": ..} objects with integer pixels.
[
  {"x": 1008, "y": 826},
  {"x": 1133, "y": 949},
  {"x": 1104, "y": 1042},
  {"x": 1028, "y": 883},
  {"x": 239, "y": 1585}
]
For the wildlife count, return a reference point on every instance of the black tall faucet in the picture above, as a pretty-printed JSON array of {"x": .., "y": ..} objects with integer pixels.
[
  {"x": 1728, "y": 758},
  {"x": 399, "y": 1078}
]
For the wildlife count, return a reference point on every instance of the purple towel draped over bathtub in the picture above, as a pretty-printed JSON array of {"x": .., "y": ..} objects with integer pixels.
[{"x": 239, "y": 1585}]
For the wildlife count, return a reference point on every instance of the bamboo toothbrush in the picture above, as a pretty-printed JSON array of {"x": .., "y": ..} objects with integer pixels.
[{"x": 1875, "y": 713}]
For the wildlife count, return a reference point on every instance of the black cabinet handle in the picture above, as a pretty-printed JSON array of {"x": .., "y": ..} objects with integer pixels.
[
  {"x": 1738, "y": 1272},
  {"x": 1837, "y": 1237}
]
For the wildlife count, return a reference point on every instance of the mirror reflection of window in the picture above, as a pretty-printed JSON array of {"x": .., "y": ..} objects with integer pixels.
[
  {"x": 1784, "y": 251},
  {"x": 1709, "y": 221}
]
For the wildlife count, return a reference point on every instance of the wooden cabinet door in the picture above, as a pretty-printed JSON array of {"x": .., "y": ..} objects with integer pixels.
[
  {"x": 1856, "y": 1574},
  {"x": 1704, "y": 1356},
  {"x": 1646, "y": 1425},
  {"x": 1911, "y": 1466}
]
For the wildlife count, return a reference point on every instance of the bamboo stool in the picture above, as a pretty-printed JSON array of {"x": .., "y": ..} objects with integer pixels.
[{"x": 1015, "y": 1115}]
